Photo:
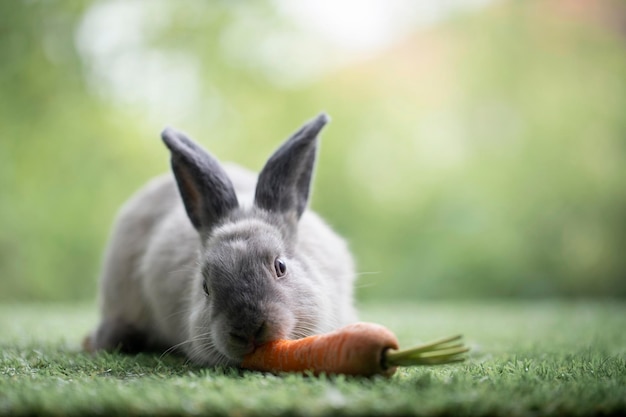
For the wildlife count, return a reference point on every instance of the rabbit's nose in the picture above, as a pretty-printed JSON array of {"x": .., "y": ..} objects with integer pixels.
[{"x": 248, "y": 339}]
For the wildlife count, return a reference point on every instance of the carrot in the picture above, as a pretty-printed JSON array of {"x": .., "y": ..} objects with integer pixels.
[{"x": 363, "y": 349}]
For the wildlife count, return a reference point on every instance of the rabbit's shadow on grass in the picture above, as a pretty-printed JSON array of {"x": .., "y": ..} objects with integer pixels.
[
  {"x": 155, "y": 364},
  {"x": 68, "y": 360}
]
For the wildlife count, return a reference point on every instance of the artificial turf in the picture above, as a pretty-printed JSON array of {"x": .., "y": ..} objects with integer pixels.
[{"x": 527, "y": 359}]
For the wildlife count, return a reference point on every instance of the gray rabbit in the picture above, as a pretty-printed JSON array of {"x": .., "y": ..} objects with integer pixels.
[{"x": 214, "y": 261}]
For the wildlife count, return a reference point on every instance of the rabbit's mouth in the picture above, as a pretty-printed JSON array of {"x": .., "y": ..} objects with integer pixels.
[
  {"x": 237, "y": 346},
  {"x": 237, "y": 352}
]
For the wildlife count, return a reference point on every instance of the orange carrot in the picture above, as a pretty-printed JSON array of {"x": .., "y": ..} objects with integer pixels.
[{"x": 363, "y": 349}]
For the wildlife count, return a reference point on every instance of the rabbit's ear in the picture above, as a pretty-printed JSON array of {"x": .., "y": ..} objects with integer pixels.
[
  {"x": 205, "y": 188},
  {"x": 284, "y": 182}
]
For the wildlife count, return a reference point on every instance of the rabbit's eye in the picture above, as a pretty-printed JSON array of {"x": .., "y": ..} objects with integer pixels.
[
  {"x": 280, "y": 267},
  {"x": 205, "y": 287}
]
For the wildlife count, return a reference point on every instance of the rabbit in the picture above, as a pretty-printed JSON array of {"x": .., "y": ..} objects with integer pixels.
[{"x": 213, "y": 261}]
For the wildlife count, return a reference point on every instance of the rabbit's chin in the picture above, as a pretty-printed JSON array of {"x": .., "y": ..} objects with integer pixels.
[
  {"x": 233, "y": 354},
  {"x": 230, "y": 359},
  {"x": 209, "y": 355}
]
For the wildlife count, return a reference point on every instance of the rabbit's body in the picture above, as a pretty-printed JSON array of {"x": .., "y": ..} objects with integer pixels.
[{"x": 158, "y": 262}]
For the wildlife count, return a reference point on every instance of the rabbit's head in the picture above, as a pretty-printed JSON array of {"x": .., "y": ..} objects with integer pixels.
[{"x": 251, "y": 285}]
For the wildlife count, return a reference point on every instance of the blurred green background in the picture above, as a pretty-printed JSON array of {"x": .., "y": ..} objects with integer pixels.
[{"x": 477, "y": 148}]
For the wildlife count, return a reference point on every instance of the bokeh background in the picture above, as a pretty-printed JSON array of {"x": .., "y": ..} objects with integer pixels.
[{"x": 477, "y": 148}]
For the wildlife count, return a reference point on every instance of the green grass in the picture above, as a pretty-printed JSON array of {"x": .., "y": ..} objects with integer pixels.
[{"x": 546, "y": 358}]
